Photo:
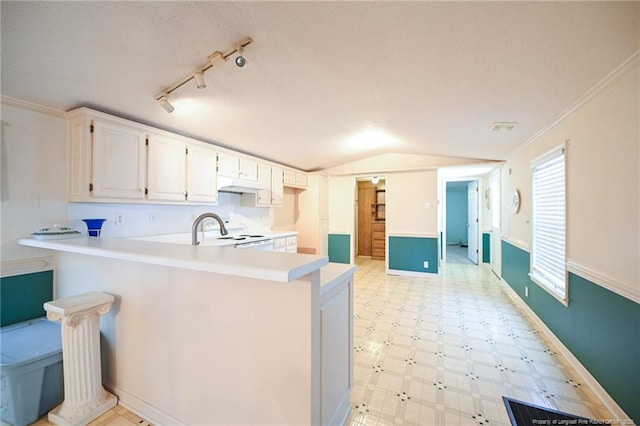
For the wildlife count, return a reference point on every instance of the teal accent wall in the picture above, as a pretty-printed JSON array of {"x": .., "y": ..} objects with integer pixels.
[
  {"x": 457, "y": 214},
  {"x": 22, "y": 296},
  {"x": 600, "y": 327},
  {"x": 409, "y": 254},
  {"x": 339, "y": 248},
  {"x": 486, "y": 247}
]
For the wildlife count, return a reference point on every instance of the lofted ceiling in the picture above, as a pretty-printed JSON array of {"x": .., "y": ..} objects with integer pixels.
[{"x": 326, "y": 83}]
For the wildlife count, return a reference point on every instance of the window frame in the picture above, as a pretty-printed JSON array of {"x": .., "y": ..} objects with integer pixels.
[{"x": 561, "y": 294}]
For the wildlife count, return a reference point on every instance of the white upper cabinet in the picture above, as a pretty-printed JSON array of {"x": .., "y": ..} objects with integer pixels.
[
  {"x": 294, "y": 179},
  {"x": 180, "y": 170},
  {"x": 271, "y": 179},
  {"x": 201, "y": 174},
  {"x": 118, "y": 160},
  {"x": 233, "y": 166},
  {"x": 167, "y": 169},
  {"x": 289, "y": 178},
  {"x": 248, "y": 169},
  {"x": 301, "y": 180},
  {"x": 263, "y": 197},
  {"x": 277, "y": 188}
]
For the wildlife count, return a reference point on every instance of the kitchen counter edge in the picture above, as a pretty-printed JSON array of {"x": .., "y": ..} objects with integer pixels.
[{"x": 271, "y": 266}]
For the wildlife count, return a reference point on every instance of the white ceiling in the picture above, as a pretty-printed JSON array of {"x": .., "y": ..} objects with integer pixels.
[{"x": 429, "y": 76}]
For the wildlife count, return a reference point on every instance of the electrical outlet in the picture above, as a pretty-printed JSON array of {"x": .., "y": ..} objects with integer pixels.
[
  {"x": 426, "y": 264},
  {"x": 152, "y": 217},
  {"x": 119, "y": 220},
  {"x": 526, "y": 292}
]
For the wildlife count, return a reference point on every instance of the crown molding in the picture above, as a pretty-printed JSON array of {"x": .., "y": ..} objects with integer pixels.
[
  {"x": 627, "y": 66},
  {"x": 9, "y": 101}
]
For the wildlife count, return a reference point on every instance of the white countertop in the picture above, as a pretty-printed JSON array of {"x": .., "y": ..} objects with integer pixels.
[{"x": 266, "y": 265}]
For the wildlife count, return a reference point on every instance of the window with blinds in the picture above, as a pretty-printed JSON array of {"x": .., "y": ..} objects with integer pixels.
[{"x": 548, "y": 245}]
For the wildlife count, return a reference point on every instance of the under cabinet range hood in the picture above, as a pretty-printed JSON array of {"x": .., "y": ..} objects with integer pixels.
[{"x": 227, "y": 184}]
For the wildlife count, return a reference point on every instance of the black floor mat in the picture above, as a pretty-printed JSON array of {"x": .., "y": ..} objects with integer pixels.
[{"x": 525, "y": 414}]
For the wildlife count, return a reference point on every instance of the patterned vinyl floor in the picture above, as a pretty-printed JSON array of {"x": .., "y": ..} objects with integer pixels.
[{"x": 443, "y": 350}]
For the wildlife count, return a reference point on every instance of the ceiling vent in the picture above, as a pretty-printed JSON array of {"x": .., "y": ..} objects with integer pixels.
[{"x": 503, "y": 125}]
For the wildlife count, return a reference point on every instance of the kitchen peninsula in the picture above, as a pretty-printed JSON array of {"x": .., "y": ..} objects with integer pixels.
[{"x": 210, "y": 335}]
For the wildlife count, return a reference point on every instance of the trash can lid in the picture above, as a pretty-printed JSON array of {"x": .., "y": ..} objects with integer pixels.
[{"x": 29, "y": 341}]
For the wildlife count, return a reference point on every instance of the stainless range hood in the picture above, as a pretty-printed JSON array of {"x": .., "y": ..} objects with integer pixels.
[{"x": 226, "y": 184}]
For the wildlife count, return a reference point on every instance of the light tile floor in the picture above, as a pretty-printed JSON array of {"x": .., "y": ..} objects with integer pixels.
[
  {"x": 442, "y": 350},
  {"x": 117, "y": 416}
]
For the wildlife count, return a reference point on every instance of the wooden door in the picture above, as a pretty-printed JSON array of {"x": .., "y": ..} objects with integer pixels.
[{"x": 366, "y": 200}]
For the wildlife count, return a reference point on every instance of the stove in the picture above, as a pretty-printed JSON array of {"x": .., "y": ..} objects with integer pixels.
[{"x": 250, "y": 241}]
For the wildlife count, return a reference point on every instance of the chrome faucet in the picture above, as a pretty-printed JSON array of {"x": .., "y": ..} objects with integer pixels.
[{"x": 198, "y": 221}]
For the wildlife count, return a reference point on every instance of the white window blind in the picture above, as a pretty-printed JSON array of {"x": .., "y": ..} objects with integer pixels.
[{"x": 548, "y": 253}]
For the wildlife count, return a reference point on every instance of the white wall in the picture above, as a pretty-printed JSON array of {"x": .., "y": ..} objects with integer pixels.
[
  {"x": 603, "y": 178},
  {"x": 406, "y": 196},
  {"x": 342, "y": 198},
  {"x": 167, "y": 219},
  {"x": 34, "y": 172},
  {"x": 341, "y": 205}
]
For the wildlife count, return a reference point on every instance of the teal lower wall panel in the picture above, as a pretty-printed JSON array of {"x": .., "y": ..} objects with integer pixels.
[
  {"x": 22, "y": 296},
  {"x": 339, "y": 248},
  {"x": 486, "y": 248},
  {"x": 599, "y": 327},
  {"x": 409, "y": 254}
]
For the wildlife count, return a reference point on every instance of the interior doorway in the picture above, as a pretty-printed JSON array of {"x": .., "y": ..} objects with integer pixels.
[
  {"x": 370, "y": 206},
  {"x": 462, "y": 222}
]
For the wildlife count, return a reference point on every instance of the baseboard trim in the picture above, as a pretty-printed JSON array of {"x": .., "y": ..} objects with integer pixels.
[
  {"x": 411, "y": 273},
  {"x": 148, "y": 412},
  {"x": 600, "y": 393}
]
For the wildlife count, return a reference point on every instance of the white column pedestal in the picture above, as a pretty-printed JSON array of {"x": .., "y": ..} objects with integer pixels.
[{"x": 84, "y": 397}]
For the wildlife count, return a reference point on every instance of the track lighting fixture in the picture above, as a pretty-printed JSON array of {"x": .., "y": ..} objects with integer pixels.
[
  {"x": 164, "y": 103},
  {"x": 198, "y": 75}
]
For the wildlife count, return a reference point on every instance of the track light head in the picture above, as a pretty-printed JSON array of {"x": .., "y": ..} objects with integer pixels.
[
  {"x": 164, "y": 103},
  {"x": 240, "y": 61},
  {"x": 199, "y": 77}
]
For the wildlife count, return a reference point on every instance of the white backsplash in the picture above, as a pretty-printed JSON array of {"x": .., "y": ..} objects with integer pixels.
[{"x": 154, "y": 219}]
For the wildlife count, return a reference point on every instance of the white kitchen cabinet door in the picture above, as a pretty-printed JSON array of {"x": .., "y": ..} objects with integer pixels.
[
  {"x": 263, "y": 197},
  {"x": 201, "y": 175},
  {"x": 228, "y": 165},
  {"x": 294, "y": 179},
  {"x": 80, "y": 167},
  {"x": 289, "y": 178},
  {"x": 118, "y": 160},
  {"x": 277, "y": 188},
  {"x": 166, "y": 169},
  {"x": 248, "y": 169},
  {"x": 301, "y": 180}
]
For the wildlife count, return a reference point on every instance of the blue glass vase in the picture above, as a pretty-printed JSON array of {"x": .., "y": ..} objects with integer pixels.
[{"x": 94, "y": 226}]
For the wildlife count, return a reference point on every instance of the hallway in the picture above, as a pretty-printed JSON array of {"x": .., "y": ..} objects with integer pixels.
[{"x": 443, "y": 350}]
